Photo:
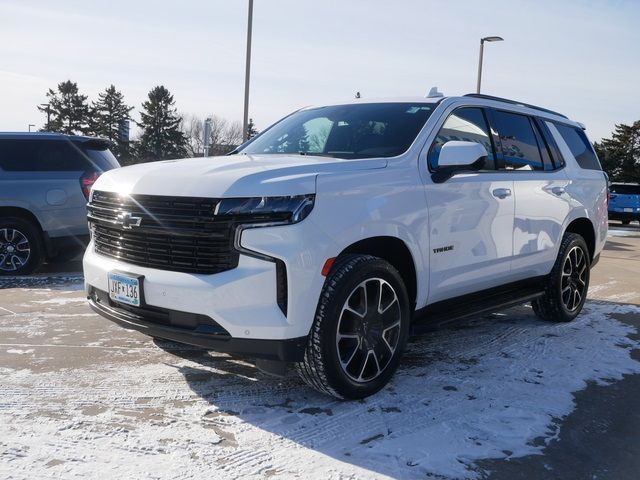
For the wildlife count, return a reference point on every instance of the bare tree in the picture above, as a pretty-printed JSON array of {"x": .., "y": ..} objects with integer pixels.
[
  {"x": 193, "y": 128},
  {"x": 225, "y": 135},
  {"x": 218, "y": 130},
  {"x": 233, "y": 135}
]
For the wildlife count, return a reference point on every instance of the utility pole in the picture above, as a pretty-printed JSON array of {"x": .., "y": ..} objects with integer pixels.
[
  {"x": 31, "y": 125},
  {"x": 48, "y": 109},
  {"x": 245, "y": 122},
  {"x": 482, "y": 40}
]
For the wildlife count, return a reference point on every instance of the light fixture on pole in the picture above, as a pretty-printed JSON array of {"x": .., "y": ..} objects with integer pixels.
[
  {"x": 482, "y": 40},
  {"x": 245, "y": 122}
]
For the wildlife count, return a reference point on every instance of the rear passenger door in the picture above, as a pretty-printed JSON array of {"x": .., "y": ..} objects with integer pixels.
[
  {"x": 43, "y": 176},
  {"x": 541, "y": 204}
]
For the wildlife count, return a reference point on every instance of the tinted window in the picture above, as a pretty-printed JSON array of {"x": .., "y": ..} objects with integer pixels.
[
  {"x": 545, "y": 150},
  {"x": 464, "y": 124},
  {"x": 345, "y": 131},
  {"x": 519, "y": 145},
  {"x": 624, "y": 189},
  {"x": 40, "y": 155},
  {"x": 580, "y": 147},
  {"x": 101, "y": 158}
]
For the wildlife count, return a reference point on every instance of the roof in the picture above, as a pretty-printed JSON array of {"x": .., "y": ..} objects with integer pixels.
[
  {"x": 471, "y": 97},
  {"x": 48, "y": 136}
]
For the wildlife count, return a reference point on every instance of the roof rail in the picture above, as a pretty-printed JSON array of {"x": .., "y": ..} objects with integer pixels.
[{"x": 514, "y": 102}]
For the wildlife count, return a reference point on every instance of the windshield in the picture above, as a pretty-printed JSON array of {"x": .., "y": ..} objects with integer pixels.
[{"x": 345, "y": 131}]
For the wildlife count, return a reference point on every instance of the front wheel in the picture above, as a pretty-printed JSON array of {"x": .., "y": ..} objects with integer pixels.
[
  {"x": 567, "y": 284},
  {"x": 360, "y": 329}
]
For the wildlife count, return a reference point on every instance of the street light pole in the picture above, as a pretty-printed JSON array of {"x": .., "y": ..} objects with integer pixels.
[
  {"x": 31, "y": 125},
  {"x": 245, "y": 122},
  {"x": 482, "y": 40}
]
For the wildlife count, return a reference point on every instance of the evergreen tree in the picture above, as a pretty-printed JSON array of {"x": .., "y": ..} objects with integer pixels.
[
  {"x": 252, "y": 131},
  {"x": 620, "y": 154},
  {"x": 161, "y": 136},
  {"x": 107, "y": 115},
  {"x": 68, "y": 110}
]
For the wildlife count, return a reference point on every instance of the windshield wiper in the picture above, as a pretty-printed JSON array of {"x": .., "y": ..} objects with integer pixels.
[{"x": 316, "y": 154}]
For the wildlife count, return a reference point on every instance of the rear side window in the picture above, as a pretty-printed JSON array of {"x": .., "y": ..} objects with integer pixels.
[
  {"x": 580, "y": 147},
  {"x": 99, "y": 156},
  {"x": 624, "y": 189},
  {"x": 520, "y": 148},
  {"x": 464, "y": 124},
  {"x": 40, "y": 155}
]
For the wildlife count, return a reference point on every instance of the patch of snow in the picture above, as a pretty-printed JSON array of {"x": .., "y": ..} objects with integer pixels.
[
  {"x": 489, "y": 388},
  {"x": 614, "y": 232},
  {"x": 60, "y": 301}
]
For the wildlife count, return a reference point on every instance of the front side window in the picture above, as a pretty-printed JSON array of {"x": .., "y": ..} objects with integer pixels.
[
  {"x": 580, "y": 147},
  {"x": 466, "y": 124},
  {"x": 367, "y": 130},
  {"x": 520, "y": 148}
]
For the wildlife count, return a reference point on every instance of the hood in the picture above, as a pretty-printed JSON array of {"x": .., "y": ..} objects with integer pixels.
[{"x": 229, "y": 176}]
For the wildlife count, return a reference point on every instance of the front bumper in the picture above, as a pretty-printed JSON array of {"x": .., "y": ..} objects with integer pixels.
[{"x": 197, "y": 330}]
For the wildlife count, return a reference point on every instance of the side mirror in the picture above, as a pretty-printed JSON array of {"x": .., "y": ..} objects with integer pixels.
[{"x": 456, "y": 156}]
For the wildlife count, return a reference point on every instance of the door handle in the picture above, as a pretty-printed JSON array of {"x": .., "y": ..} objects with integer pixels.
[{"x": 502, "y": 192}]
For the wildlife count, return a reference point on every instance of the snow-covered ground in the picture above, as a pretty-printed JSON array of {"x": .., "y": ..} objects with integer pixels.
[{"x": 82, "y": 398}]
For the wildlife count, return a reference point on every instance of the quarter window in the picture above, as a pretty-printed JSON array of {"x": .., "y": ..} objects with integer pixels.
[
  {"x": 520, "y": 149},
  {"x": 580, "y": 147},
  {"x": 464, "y": 124}
]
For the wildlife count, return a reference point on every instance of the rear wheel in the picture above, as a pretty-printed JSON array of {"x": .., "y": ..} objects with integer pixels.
[
  {"x": 626, "y": 222},
  {"x": 568, "y": 282},
  {"x": 360, "y": 329},
  {"x": 21, "y": 248}
]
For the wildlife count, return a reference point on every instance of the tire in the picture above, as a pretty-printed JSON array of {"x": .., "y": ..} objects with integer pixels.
[
  {"x": 570, "y": 274},
  {"x": 21, "y": 246},
  {"x": 354, "y": 350},
  {"x": 626, "y": 222}
]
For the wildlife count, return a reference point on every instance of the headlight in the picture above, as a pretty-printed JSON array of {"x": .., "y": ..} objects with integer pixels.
[{"x": 292, "y": 209}]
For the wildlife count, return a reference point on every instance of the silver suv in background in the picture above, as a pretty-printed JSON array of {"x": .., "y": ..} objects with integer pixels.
[{"x": 45, "y": 179}]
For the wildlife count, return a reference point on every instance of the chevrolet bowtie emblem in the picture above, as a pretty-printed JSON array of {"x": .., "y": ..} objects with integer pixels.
[{"x": 128, "y": 221}]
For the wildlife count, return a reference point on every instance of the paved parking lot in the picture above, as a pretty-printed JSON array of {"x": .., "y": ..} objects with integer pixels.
[{"x": 501, "y": 396}]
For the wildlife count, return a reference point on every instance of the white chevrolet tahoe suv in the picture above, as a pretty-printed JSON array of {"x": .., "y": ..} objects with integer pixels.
[{"x": 326, "y": 240}]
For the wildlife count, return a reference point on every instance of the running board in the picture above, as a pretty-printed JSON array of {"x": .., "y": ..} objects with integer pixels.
[{"x": 437, "y": 314}]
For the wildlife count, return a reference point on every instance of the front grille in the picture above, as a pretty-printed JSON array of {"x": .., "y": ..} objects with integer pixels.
[{"x": 174, "y": 233}]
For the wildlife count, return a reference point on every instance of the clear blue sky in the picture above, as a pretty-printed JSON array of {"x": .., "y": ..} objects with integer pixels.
[{"x": 579, "y": 57}]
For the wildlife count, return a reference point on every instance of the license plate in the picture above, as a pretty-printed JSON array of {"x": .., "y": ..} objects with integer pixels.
[
  {"x": 628, "y": 209},
  {"x": 124, "y": 289}
]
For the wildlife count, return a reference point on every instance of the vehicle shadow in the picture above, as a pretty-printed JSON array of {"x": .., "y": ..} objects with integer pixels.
[
  {"x": 618, "y": 246},
  {"x": 494, "y": 386},
  {"x": 67, "y": 274}
]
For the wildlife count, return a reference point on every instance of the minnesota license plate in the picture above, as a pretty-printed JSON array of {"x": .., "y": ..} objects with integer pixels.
[{"x": 124, "y": 289}]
